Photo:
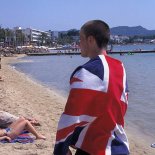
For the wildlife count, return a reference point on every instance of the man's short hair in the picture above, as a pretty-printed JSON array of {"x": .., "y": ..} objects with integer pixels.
[{"x": 99, "y": 30}]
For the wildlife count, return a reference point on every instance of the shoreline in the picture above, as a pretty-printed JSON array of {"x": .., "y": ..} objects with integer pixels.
[{"x": 23, "y": 96}]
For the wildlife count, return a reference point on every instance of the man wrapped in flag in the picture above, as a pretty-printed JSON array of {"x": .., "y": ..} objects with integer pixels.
[{"x": 93, "y": 119}]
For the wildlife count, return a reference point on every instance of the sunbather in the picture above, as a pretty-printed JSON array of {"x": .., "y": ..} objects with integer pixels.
[
  {"x": 16, "y": 129},
  {"x": 6, "y": 119}
]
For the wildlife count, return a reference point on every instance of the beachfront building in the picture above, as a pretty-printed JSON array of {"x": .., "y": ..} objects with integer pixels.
[
  {"x": 54, "y": 35},
  {"x": 30, "y": 36},
  {"x": 119, "y": 39},
  {"x": 36, "y": 36}
]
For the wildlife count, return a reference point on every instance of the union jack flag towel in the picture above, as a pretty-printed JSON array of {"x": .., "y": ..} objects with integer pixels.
[{"x": 93, "y": 119}]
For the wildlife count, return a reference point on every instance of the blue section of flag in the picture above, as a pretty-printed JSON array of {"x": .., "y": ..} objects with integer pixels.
[
  {"x": 95, "y": 66},
  {"x": 118, "y": 147},
  {"x": 62, "y": 147}
]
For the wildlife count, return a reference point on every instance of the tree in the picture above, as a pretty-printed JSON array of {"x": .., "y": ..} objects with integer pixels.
[
  {"x": 2, "y": 34},
  {"x": 64, "y": 39},
  {"x": 20, "y": 38},
  {"x": 44, "y": 39},
  {"x": 67, "y": 38},
  {"x": 9, "y": 37},
  {"x": 73, "y": 32}
]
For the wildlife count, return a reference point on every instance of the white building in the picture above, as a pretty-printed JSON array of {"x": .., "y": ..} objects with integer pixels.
[
  {"x": 17, "y": 28},
  {"x": 54, "y": 35},
  {"x": 119, "y": 38},
  {"x": 34, "y": 34}
]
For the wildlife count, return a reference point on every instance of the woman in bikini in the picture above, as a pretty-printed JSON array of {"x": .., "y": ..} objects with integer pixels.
[{"x": 17, "y": 127}]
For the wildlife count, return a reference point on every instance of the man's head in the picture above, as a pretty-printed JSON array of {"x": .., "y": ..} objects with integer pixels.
[{"x": 94, "y": 36}]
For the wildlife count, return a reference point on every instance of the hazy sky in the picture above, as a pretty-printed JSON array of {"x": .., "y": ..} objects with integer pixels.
[{"x": 68, "y": 14}]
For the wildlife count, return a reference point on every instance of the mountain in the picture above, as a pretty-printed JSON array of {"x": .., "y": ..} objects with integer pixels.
[{"x": 131, "y": 31}]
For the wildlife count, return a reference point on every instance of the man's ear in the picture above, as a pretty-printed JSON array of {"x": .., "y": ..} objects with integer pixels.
[{"x": 91, "y": 39}]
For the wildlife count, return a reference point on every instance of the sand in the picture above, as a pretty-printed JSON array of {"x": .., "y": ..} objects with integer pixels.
[{"x": 23, "y": 96}]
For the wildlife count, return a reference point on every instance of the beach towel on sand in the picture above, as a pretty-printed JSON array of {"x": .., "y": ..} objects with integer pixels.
[{"x": 23, "y": 138}]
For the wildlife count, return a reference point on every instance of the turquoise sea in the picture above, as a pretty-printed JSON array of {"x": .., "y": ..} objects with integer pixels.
[{"x": 54, "y": 72}]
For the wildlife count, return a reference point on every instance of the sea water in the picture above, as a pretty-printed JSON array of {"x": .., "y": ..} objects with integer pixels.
[{"x": 54, "y": 72}]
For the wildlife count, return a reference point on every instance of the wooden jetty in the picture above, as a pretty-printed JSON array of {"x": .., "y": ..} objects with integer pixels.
[
  {"x": 129, "y": 52},
  {"x": 78, "y": 53},
  {"x": 51, "y": 53}
]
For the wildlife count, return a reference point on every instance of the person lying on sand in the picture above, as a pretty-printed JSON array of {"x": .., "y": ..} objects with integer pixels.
[
  {"x": 16, "y": 129},
  {"x": 6, "y": 119}
]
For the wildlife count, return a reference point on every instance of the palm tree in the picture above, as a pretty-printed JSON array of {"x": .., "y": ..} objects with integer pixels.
[
  {"x": 44, "y": 39},
  {"x": 20, "y": 38},
  {"x": 9, "y": 36},
  {"x": 2, "y": 35}
]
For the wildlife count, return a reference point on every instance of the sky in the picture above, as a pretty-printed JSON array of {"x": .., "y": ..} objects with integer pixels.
[{"x": 63, "y": 15}]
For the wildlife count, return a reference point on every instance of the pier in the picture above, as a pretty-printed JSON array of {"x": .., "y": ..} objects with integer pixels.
[
  {"x": 134, "y": 52},
  {"x": 50, "y": 53},
  {"x": 78, "y": 53}
]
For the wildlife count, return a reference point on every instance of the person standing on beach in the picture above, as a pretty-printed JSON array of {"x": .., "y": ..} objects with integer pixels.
[
  {"x": 0, "y": 69},
  {"x": 93, "y": 118}
]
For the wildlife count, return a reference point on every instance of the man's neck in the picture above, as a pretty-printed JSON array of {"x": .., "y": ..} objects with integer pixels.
[
  {"x": 97, "y": 52},
  {"x": 104, "y": 52}
]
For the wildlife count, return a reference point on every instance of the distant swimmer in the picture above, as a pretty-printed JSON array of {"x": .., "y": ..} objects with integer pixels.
[
  {"x": 130, "y": 53},
  {"x": 153, "y": 145},
  {"x": 121, "y": 53}
]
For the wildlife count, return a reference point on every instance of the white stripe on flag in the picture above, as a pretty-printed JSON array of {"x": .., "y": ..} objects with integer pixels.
[
  {"x": 62, "y": 140},
  {"x": 68, "y": 120},
  {"x": 124, "y": 94},
  {"x": 119, "y": 131},
  {"x": 108, "y": 148},
  {"x": 89, "y": 81},
  {"x": 81, "y": 136},
  {"x": 106, "y": 72}
]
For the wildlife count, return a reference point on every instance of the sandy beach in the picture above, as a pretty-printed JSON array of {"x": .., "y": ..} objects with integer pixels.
[{"x": 22, "y": 96}]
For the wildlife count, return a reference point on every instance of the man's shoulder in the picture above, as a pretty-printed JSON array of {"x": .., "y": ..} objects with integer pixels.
[
  {"x": 92, "y": 63},
  {"x": 94, "y": 66},
  {"x": 113, "y": 60}
]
